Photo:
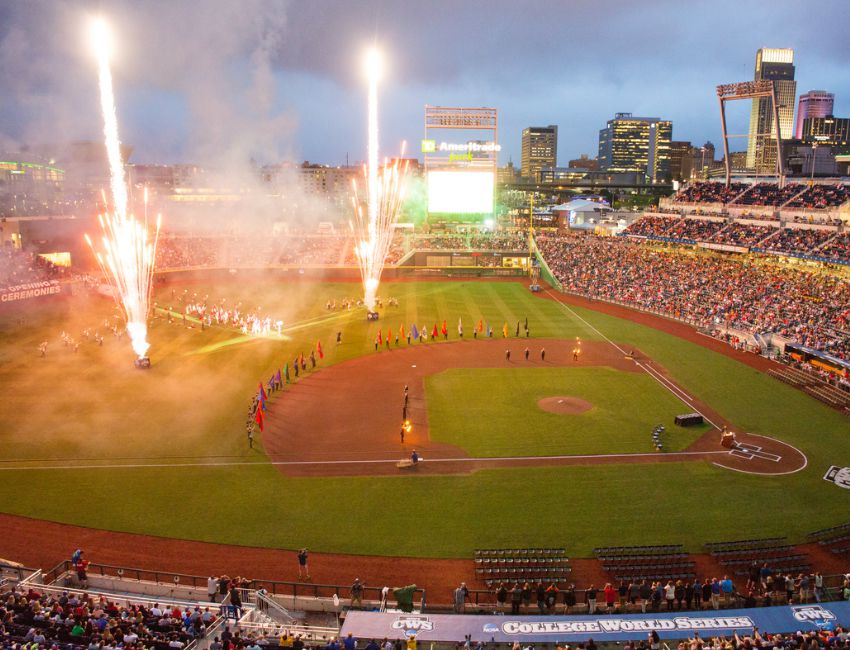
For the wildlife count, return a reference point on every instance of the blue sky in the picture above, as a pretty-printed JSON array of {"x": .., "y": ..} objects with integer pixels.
[{"x": 276, "y": 79}]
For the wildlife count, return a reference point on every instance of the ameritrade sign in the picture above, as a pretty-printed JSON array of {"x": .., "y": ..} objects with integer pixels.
[
  {"x": 30, "y": 290},
  {"x": 431, "y": 146},
  {"x": 551, "y": 629}
]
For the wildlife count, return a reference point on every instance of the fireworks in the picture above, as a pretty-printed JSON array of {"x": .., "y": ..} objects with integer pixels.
[
  {"x": 385, "y": 187},
  {"x": 127, "y": 249}
]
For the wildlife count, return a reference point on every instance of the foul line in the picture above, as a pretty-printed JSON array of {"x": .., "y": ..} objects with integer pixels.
[
  {"x": 664, "y": 382},
  {"x": 466, "y": 459}
]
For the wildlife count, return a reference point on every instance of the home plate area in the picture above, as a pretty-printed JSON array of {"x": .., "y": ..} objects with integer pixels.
[{"x": 748, "y": 452}]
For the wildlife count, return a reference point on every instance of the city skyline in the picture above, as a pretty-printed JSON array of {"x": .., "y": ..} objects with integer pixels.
[{"x": 282, "y": 81}]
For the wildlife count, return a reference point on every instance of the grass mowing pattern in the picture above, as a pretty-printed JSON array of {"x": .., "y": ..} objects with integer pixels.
[{"x": 494, "y": 412}]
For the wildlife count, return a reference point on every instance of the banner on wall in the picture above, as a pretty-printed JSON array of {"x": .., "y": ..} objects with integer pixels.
[{"x": 574, "y": 629}]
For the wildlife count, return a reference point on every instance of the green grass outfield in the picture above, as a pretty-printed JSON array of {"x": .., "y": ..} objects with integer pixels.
[
  {"x": 93, "y": 408},
  {"x": 494, "y": 412}
]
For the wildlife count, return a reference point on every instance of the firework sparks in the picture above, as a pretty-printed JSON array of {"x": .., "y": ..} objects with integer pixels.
[
  {"x": 127, "y": 250},
  {"x": 385, "y": 193}
]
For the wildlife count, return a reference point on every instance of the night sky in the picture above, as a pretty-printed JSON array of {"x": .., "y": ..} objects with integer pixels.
[{"x": 226, "y": 79}]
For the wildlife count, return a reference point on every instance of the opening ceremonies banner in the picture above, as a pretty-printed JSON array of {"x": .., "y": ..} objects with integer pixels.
[{"x": 601, "y": 627}]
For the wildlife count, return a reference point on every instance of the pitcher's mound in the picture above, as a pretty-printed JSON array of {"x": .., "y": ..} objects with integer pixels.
[{"x": 564, "y": 405}]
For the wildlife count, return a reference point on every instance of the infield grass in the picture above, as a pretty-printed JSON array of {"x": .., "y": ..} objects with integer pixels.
[{"x": 494, "y": 412}]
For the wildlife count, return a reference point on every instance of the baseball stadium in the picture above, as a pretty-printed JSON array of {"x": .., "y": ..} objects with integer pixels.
[{"x": 458, "y": 417}]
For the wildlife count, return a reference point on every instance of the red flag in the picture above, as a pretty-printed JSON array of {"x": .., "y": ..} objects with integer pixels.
[
  {"x": 401, "y": 331},
  {"x": 380, "y": 338},
  {"x": 258, "y": 418},
  {"x": 262, "y": 391},
  {"x": 480, "y": 326},
  {"x": 445, "y": 329},
  {"x": 434, "y": 332},
  {"x": 319, "y": 350}
]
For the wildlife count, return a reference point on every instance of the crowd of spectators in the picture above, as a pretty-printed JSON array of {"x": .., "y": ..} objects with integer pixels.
[
  {"x": 651, "y": 226},
  {"x": 22, "y": 267},
  {"x": 821, "y": 197},
  {"x": 44, "y": 620},
  {"x": 811, "y": 308},
  {"x": 796, "y": 240},
  {"x": 696, "y": 229},
  {"x": 838, "y": 248},
  {"x": 514, "y": 240},
  {"x": 708, "y": 192},
  {"x": 742, "y": 234},
  {"x": 185, "y": 252},
  {"x": 769, "y": 194}
]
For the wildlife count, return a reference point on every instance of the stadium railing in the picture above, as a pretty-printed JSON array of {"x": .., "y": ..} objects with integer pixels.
[{"x": 275, "y": 588}]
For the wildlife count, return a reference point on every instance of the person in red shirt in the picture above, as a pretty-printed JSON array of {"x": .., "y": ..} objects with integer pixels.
[
  {"x": 81, "y": 566},
  {"x": 610, "y": 596}
]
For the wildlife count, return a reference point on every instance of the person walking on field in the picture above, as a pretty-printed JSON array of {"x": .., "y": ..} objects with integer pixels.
[
  {"x": 526, "y": 354},
  {"x": 507, "y": 355},
  {"x": 543, "y": 354},
  {"x": 303, "y": 569}
]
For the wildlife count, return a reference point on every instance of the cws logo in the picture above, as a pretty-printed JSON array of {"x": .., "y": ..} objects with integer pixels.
[
  {"x": 413, "y": 624},
  {"x": 812, "y": 614},
  {"x": 429, "y": 146}
]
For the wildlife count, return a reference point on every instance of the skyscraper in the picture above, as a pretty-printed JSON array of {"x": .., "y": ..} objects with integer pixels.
[
  {"x": 636, "y": 144},
  {"x": 815, "y": 103},
  {"x": 539, "y": 150},
  {"x": 777, "y": 65}
]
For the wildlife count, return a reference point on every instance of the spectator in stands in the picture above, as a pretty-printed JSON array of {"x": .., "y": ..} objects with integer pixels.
[
  {"x": 590, "y": 596},
  {"x": 212, "y": 588},
  {"x": 236, "y": 601},
  {"x": 356, "y": 594},
  {"x": 728, "y": 589}
]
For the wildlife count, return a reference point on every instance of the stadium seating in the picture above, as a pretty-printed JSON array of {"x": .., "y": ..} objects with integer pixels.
[{"x": 521, "y": 564}]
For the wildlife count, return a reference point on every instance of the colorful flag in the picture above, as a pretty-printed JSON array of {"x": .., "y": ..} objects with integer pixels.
[
  {"x": 434, "y": 332},
  {"x": 505, "y": 330},
  {"x": 401, "y": 331},
  {"x": 262, "y": 401},
  {"x": 480, "y": 325},
  {"x": 489, "y": 331},
  {"x": 258, "y": 418},
  {"x": 459, "y": 326},
  {"x": 262, "y": 392},
  {"x": 319, "y": 350},
  {"x": 286, "y": 371},
  {"x": 278, "y": 378},
  {"x": 445, "y": 329},
  {"x": 414, "y": 331},
  {"x": 380, "y": 338}
]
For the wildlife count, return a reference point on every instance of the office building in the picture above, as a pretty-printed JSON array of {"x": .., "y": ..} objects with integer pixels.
[
  {"x": 815, "y": 103},
  {"x": 636, "y": 144},
  {"x": 539, "y": 150},
  {"x": 776, "y": 65},
  {"x": 681, "y": 160},
  {"x": 584, "y": 162}
]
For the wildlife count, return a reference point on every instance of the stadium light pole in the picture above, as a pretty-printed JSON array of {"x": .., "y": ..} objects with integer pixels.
[{"x": 530, "y": 231}]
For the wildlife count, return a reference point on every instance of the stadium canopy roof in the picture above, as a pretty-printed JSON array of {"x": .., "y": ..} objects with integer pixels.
[{"x": 581, "y": 205}]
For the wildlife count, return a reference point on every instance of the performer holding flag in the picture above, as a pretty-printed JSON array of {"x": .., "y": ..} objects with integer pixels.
[
  {"x": 460, "y": 327},
  {"x": 445, "y": 330},
  {"x": 435, "y": 332},
  {"x": 319, "y": 350},
  {"x": 505, "y": 330}
]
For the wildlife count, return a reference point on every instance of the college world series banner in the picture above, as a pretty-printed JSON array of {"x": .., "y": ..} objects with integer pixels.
[{"x": 573, "y": 629}]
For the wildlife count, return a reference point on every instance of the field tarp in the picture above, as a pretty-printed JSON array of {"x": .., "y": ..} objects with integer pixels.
[{"x": 601, "y": 627}]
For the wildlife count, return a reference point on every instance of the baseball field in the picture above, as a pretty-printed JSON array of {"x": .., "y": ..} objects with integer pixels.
[{"x": 546, "y": 451}]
